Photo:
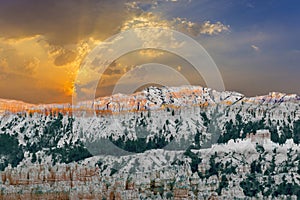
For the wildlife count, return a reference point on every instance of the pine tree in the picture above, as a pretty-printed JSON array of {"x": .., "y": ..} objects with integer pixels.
[
  {"x": 33, "y": 159},
  {"x": 274, "y": 135},
  {"x": 296, "y": 132}
]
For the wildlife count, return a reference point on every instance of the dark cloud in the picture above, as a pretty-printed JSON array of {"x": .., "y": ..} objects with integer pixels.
[
  {"x": 111, "y": 71},
  {"x": 62, "y": 22},
  {"x": 65, "y": 57}
]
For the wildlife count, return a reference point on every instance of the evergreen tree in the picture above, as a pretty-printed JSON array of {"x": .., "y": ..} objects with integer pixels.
[
  {"x": 195, "y": 160},
  {"x": 296, "y": 132},
  {"x": 274, "y": 134},
  {"x": 33, "y": 159},
  {"x": 10, "y": 151},
  {"x": 250, "y": 186},
  {"x": 197, "y": 139},
  {"x": 255, "y": 167},
  {"x": 223, "y": 184}
]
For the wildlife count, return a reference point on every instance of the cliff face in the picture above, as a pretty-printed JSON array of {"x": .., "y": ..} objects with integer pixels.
[
  {"x": 45, "y": 152},
  {"x": 48, "y": 182},
  {"x": 227, "y": 173},
  {"x": 152, "y": 98},
  {"x": 13, "y": 106},
  {"x": 41, "y": 174}
]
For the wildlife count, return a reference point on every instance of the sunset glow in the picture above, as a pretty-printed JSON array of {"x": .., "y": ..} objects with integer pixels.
[{"x": 39, "y": 60}]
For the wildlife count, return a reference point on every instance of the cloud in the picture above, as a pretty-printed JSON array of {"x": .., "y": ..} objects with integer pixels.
[
  {"x": 45, "y": 42},
  {"x": 3, "y": 63},
  {"x": 150, "y": 19},
  {"x": 110, "y": 71},
  {"x": 195, "y": 29},
  {"x": 151, "y": 53},
  {"x": 32, "y": 61},
  {"x": 3, "y": 68},
  {"x": 65, "y": 57},
  {"x": 31, "y": 65},
  {"x": 142, "y": 6},
  {"x": 62, "y": 22},
  {"x": 213, "y": 29},
  {"x": 18, "y": 58},
  {"x": 149, "y": 5},
  {"x": 255, "y": 48},
  {"x": 179, "y": 68}
]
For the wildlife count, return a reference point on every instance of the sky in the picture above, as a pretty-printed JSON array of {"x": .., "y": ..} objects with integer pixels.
[{"x": 254, "y": 43}]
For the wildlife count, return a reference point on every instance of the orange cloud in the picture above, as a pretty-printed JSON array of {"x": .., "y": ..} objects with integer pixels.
[{"x": 45, "y": 54}]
